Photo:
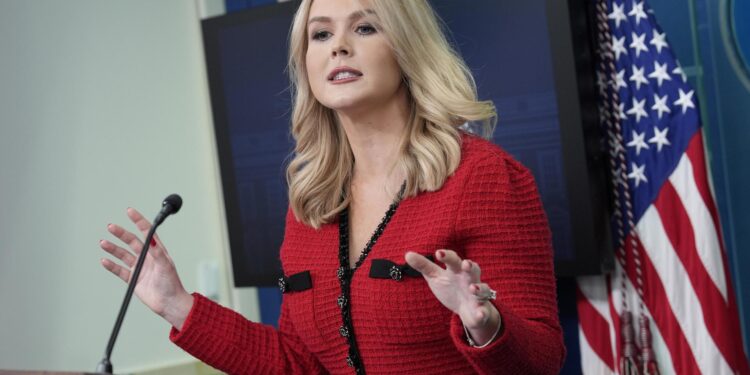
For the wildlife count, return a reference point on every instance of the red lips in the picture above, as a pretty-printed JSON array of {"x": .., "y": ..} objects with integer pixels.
[{"x": 343, "y": 69}]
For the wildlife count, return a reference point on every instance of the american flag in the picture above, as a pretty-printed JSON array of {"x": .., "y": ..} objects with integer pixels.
[{"x": 686, "y": 284}]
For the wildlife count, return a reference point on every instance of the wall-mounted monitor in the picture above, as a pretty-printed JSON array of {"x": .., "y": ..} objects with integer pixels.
[{"x": 531, "y": 57}]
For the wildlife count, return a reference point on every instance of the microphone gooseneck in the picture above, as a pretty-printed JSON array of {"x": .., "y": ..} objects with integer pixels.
[{"x": 170, "y": 206}]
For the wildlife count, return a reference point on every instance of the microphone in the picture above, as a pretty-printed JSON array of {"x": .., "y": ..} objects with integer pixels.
[{"x": 170, "y": 206}]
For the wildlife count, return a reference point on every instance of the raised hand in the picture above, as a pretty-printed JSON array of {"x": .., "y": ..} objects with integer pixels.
[
  {"x": 159, "y": 287},
  {"x": 459, "y": 288}
]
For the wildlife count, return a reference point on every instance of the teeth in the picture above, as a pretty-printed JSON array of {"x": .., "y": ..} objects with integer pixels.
[{"x": 344, "y": 75}]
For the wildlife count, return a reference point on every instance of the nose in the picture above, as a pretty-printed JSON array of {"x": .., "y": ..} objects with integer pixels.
[
  {"x": 340, "y": 51},
  {"x": 341, "y": 47}
]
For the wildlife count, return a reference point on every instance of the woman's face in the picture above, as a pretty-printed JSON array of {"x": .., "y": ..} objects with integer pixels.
[{"x": 350, "y": 65}]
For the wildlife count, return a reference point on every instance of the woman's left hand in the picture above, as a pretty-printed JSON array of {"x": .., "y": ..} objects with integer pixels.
[{"x": 459, "y": 288}]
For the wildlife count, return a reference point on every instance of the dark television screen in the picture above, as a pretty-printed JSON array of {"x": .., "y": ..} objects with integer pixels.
[{"x": 531, "y": 58}]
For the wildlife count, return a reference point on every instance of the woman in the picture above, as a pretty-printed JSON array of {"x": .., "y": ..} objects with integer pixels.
[{"x": 379, "y": 95}]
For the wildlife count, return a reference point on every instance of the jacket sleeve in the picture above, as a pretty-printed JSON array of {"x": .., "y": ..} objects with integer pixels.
[
  {"x": 502, "y": 227},
  {"x": 227, "y": 341}
]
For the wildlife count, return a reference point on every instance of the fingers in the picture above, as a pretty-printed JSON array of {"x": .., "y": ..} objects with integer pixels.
[
  {"x": 140, "y": 222},
  {"x": 422, "y": 264},
  {"x": 144, "y": 226},
  {"x": 451, "y": 260},
  {"x": 125, "y": 256},
  {"x": 471, "y": 268},
  {"x": 130, "y": 239},
  {"x": 116, "y": 269},
  {"x": 454, "y": 263},
  {"x": 482, "y": 292},
  {"x": 480, "y": 315}
]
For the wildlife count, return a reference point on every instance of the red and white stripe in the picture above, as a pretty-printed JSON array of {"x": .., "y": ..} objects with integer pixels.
[{"x": 687, "y": 289}]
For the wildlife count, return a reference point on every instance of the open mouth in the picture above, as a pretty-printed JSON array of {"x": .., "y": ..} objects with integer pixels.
[
  {"x": 343, "y": 73},
  {"x": 344, "y": 76}
]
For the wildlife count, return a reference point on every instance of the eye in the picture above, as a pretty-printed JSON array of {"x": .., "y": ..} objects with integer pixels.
[
  {"x": 366, "y": 29},
  {"x": 320, "y": 35}
]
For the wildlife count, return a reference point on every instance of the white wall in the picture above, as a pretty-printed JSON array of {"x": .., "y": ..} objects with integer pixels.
[{"x": 103, "y": 105}]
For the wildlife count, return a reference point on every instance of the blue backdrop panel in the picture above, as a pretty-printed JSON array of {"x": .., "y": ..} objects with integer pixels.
[{"x": 504, "y": 43}]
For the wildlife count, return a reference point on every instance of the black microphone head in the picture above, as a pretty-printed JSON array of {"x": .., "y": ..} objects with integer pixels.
[{"x": 174, "y": 202}]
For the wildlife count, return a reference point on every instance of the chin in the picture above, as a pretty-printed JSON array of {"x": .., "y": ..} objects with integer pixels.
[{"x": 347, "y": 103}]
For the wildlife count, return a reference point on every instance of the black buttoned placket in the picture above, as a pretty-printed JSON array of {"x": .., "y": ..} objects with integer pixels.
[{"x": 346, "y": 273}]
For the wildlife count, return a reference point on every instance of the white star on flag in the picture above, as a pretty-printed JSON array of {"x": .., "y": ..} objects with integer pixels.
[
  {"x": 620, "y": 79},
  {"x": 660, "y": 138},
  {"x": 660, "y": 73},
  {"x": 638, "y": 142},
  {"x": 618, "y": 46},
  {"x": 659, "y": 41},
  {"x": 638, "y": 174},
  {"x": 638, "y": 77},
  {"x": 618, "y": 14},
  {"x": 637, "y": 109},
  {"x": 638, "y": 13},
  {"x": 638, "y": 43},
  {"x": 686, "y": 100},
  {"x": 660, "y": 104}
]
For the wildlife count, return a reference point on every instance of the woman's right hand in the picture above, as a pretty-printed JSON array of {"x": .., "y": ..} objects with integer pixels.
[{"x": 159, "y": 287}]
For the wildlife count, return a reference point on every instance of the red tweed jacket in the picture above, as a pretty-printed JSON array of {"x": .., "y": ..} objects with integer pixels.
[{"x": 489, "y": 211}]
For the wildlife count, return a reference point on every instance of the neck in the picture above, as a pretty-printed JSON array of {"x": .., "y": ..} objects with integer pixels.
[{"x": 375, "y": 137}]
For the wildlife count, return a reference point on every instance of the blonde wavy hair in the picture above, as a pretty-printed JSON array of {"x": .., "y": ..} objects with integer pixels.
[{"x": 442, "y": 95}]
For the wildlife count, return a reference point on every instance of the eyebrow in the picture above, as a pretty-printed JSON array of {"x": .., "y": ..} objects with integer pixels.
[{"x": 355, "y": 15}]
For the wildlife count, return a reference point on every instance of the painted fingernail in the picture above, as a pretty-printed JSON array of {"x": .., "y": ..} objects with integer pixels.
[
  {"x": 441, "y": 253},
  {"x": 153, "y": 242}
]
